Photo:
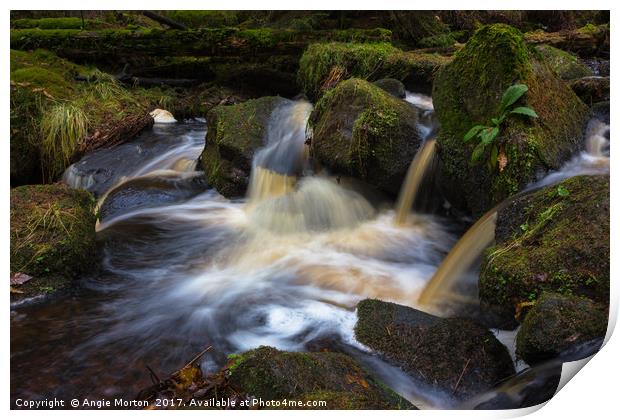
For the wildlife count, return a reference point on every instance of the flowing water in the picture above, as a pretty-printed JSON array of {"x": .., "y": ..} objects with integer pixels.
[{"x": 183, "y": 267}]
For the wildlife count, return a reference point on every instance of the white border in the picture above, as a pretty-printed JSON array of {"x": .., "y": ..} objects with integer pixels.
[{"x": 592, "y": 394}]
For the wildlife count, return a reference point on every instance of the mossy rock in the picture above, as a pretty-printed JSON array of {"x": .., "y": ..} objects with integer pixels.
[
  {"x": 419, "y": 27},
  {"x": 362, "y": 131},
  {"x": 565, "y": 64},
  {"x": 392, "y": 86},
  {"x": 467, "y": 92},
  {"x": 591, "y": 89},
  {"x": 558, "y": 323},
  {"x": 235, "y": 132},
  {"x": 457, "y": 356},
  {"x": 323, "y": 65},
  {"x": 52, "y": 237},
  {"x": 271, "y": 374},
  {"x": 555, "y": 240}
]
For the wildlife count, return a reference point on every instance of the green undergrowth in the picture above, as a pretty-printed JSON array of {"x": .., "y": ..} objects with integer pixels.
[
  {"x": 323, "y": 65},
  {"x": 52, "y": 114}
]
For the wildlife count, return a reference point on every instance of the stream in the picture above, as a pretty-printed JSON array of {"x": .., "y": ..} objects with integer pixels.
[{"x": 183, "y": 267}]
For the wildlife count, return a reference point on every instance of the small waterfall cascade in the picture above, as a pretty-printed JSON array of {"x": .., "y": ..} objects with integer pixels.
[
  {"x": 276, "y": 166},
  {"x": 417, "y": 170}
]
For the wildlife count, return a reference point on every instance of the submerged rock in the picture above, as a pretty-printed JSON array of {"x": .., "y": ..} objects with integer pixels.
[
  {"x": 591, "y": 89},
  {"x": 235, "y": 132},
  {"x": 457, "y": 356},
  {"x": 392, "y": 86},
  {"x": 362, "y": 131},
  {"x": 271, "y": 374},
  {"x": 555, "y": 239},
  {"x": 52, "y": 237},
  {"x": 467, "y": 92},
  {"x": 565, "y": 64},
  {"x": 557, "y": 323}
]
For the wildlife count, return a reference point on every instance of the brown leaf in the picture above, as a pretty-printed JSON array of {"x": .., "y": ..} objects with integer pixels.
[
  {"x": 14, "y": 290},
  {"x": 356, "y": 380},
  {"x": 19, "y": 278},
  {"x": 502, "y": 159}
]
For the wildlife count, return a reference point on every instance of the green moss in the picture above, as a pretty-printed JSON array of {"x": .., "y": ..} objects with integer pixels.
[
  {"x": 52, "y": 236},
  {"x": 566, "y": 65},
  {"x": 439, "y": 352},
  {"x": 557, "y": 323},
  {"x": 53, "y": 23},
  {"x": 467, "y": 92},
  {"x": 204, "y": 18},
  {"x": 549, "y": 241},
  {"x": 323, "y": 65},
  {"x": 275, "y": 375},
  {"x": 437, "y": 41},
  {"x": 235, "y": 133},
  {"x": 362, "y": 131}
]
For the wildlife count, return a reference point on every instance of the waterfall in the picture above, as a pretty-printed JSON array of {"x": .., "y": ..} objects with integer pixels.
[
  {"x": 461, "y": 257},
  {"x": 418, "y": 168},
  {"x": 276, "y": 166}
]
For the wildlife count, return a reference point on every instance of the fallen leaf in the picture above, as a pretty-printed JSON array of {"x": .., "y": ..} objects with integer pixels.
[
  {"x": 502, "y": 159},
  {"x": 19, "y": 278},
  {"x": 14, "y": 290},
  {"x": 355, "y": 380}
]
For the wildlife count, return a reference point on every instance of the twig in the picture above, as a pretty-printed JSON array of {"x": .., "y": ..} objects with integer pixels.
[
  {"x": 154, "y": 378},
  {"x": 198, "y": 356},
  {"x": 461, "y": 377}
]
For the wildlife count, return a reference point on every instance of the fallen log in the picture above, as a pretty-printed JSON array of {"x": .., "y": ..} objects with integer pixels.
[
  {"x": 164, "y": 20},
  {"x": 113, "y": 134},
  {"x": 587, "y": 42}
]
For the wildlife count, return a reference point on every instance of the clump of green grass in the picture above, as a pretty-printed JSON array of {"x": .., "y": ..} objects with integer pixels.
[{"x": 63, "y": 126}]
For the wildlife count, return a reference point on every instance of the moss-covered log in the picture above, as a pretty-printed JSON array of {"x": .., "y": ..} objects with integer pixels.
[
  {"x": 115, "y": 45},
  {"x": 588, "y": 41}
]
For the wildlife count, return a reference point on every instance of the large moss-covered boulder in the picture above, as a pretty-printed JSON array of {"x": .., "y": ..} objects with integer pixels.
[
  {"x": 362, "y": 131},
  {"x": 456, "y": 356},
  {"x": 467, "y": 92},
  {"x": 271, "y": 374},
  {"x": 565, "y": 64},
  {"x": 555, "y": 239},
  {"x": 234, "y": 134},
  {"x": 557, "y": 323},
  {"x": 323, "y": 65},
  {"x": 52, "y": 238}
]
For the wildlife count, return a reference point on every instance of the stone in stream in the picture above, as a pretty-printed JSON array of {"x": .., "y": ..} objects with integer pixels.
[
  {"x": 467, "y": 92},
  {"x": 362, "y": 131},
  {"x": 557, "y": 323},
  {"x": 336, "y": 378},
  {"x": 591, "y": 89},
  {"x": 457, "y": 356},
  {"x": 555, "y": 239},
  {"x": 52, "y": 237},
  {"x": 235, "y": 133},
  {"x": 392, "y": 86}
]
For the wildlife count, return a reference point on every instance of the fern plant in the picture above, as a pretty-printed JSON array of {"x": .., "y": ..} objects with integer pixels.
[{"x": 488, "y": 133}]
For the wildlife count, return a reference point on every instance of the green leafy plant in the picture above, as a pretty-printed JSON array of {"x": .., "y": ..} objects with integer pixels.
[{"x": 488, "y": 133}]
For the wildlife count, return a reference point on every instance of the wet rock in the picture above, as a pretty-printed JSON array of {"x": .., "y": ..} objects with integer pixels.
[
  {"x": 565, "y": 64},
  {"x": 271, "y": 374},
  {"x": 52, "y": 237},
  {"x": 600, "y": 110},
  {"x": 235, "y": 132},
  {"x": 591, "y": 89},
  {"x": 467, "y": 92},
  {"x": 362, "y": 131},
  {"x": 455, "y": 355},
  {"x": 555, "y": 239},
  {"x": 392, "y": 86},
  {"x": 144, "y": 192},
  {"x": 557, "y": 323}
]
